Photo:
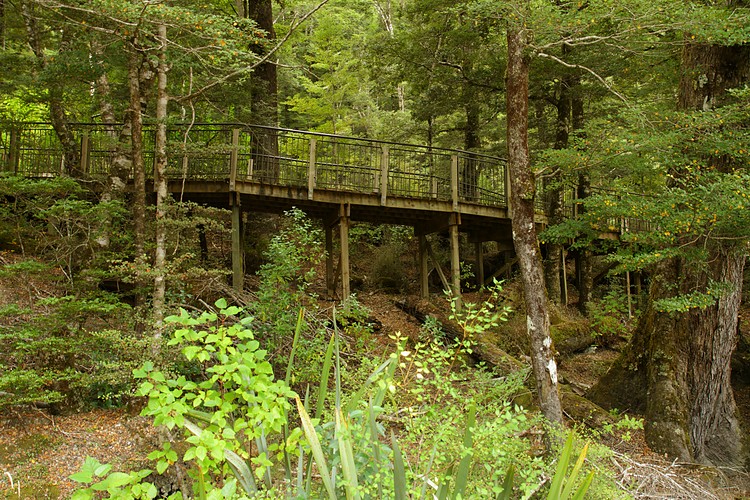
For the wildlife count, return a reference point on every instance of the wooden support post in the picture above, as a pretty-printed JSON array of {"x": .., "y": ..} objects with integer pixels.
[
  {"x": 344, "y": 214},
  {"x": 85, "y": 153},
  {"x": 330, "y": 285},
  {"x": 384, "y": 175},
  {"x": 436, "y": 265},
  {"x": 627, "y": 287},
  {"x": 454, "y": 182},
  {"x": 455, "y": 260},
  {"x": 238, "y": 272},
  {"x": 564, "y": 298},
  {"x": 311, "y": 169},
  {"x": 479, "y": 252},
  {"x": 424, "y": 271},
  {"x": 233, "y": 159},
  {"x": 13, "y": 153}
]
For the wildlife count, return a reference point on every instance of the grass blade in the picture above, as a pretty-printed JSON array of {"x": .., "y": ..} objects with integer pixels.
[
  {"x": 581, "y": 492},
  {"x": 571, "y": 480},
  {"x": 317, "y": 450},
  {"x": 375, "y": 440},
  {"x": 442, "y": 492},
  {"x": 423, "y": 493},
  {"x": 399, "y": 471},
  {"x": 555, "y": 489},
  {"x": 346, "y": 452},
  {"x": 297, "y": 330},
  {"x": 507, "y": 484},
  {"x": 389, "y": 364},
  {"x": 325, "y": 374},
  {"x": 462, "y": 474}
]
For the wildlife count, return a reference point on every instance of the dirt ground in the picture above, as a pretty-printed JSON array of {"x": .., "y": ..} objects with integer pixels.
[{"x": 39, "y": 451}]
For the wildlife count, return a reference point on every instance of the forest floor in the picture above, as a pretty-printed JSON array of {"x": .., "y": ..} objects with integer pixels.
[{"x": 39, "y": 451}]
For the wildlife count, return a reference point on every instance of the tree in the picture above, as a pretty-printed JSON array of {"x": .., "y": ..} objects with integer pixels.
[
  {"x": 55, "y": 98},
  {"x": 677, "y": 365},
  {"x": 523, "y": 189}
]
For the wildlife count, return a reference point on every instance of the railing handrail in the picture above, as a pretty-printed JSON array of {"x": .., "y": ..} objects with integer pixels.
[{"x": 473, "y": 154}]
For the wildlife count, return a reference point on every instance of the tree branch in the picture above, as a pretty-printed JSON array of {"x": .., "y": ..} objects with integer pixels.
[{"x": 587, "y": 69}]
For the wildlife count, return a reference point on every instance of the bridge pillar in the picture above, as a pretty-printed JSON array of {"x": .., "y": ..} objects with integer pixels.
[
  {"x": 344, "y": 223},
  {"x": 479, "y": 252},
  {"x": 455, "y": 221},
  {"x": 238, "y": 271},
  {"x": 424, "y": 269},
  {"x": 330, "y": 283}
]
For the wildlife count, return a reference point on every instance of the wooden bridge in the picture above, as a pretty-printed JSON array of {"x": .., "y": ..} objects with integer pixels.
[{"x": 334, "y": 178}]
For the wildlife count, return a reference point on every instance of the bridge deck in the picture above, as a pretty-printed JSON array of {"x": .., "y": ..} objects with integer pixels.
[{"x": 274, "y": 169}]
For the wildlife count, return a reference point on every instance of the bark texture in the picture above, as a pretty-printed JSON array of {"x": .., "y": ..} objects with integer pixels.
[
  {"x": 470, "y": 168},
  {"x": 135, "y": 63},
  {"x": 264, "y": 101},
  {"x": 160, "y": 183},
  {"x": 682, "y": 359},
  {"x": 554, "y": 191},
  {"x": 524, "y": 231}
]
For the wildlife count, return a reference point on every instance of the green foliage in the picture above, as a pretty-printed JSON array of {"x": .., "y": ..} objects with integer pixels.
[
  {"x": 63, "y": 350},
  {"x": 623, "y": 425},
  {"x": 52, "y": 219},
  {"x": 236, "y": 405},
  {"x": 563, "y": 485},
  {"x": 291, "y": 257},
  {"x": 475, "y": 319},
  {"x": 609, "y": 313},
  {"x": 118, "y": 485}
]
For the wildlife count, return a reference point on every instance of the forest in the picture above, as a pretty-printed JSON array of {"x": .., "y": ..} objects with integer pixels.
[{"x": 224, "y": 225}]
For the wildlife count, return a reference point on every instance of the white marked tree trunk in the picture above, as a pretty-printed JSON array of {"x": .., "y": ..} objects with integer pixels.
[{"x": 524, "y": 231}]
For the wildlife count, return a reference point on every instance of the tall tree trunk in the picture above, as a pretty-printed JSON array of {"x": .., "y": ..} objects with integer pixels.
[
  {"x": 2, "y": 24},
  {"x": 524, "y": 230},
  {"x": 682, "y": 359},
  {"x": 135, "y": 63},
  {"x": 584, "y": 259},
  {"x": 470, "y": 169},
  {"x": 264, "y": 101},
  {"x": 116, "y": 180},
  {"x": 160, "y": 183},
  {"x": 554, "y": 192}
]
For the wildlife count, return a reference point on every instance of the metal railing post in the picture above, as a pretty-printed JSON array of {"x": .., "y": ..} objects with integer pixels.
[
  {"x": 233, "y": 159},
  {"x": 384, "y": 175},
  {"x": 312, "y": 174}
]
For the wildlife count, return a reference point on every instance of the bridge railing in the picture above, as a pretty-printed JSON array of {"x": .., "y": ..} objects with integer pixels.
[
  {"x": 274, "y": 156},
  {"x": 215, "y": 152}
]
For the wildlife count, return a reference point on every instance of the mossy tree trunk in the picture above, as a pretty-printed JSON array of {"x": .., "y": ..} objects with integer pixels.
[
  {"x": 677, "y": 367},
  {"x": 523, "y": 189},
  {"x": 160, "y": 183},
  {"x": 264, "y": 99},
  {"x": 554, "y": 189}
]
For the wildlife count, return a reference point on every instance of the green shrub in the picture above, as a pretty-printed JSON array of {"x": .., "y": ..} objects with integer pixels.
[
  {"x": 65, "y": 350},
  {"x": 289, "y": 270}
]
